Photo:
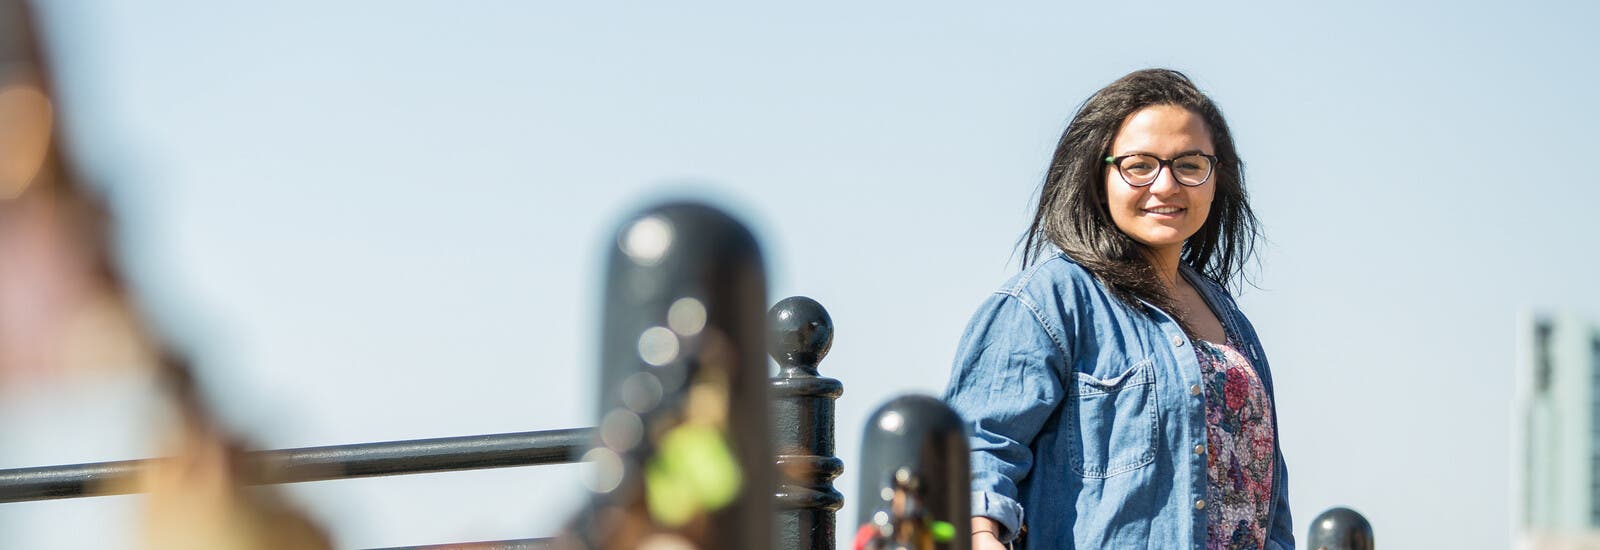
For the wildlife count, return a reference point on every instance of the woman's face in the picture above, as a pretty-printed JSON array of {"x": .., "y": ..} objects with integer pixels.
[{"x": 1164, "y": 214}]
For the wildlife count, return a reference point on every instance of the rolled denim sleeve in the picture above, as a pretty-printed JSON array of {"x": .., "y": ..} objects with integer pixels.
[{"x": 1005, "y": 384}]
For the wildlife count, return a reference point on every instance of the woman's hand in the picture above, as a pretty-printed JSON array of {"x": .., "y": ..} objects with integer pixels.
[{"x": 986, "y": 534}]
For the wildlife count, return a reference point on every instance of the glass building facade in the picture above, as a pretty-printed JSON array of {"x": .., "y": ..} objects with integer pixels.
[{"x": 1556, "y": 417}]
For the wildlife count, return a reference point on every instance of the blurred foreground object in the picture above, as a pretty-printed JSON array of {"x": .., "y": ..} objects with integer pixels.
[
  {"x": 1339, "y": 529},
  {"x": 65, "y": 312},
  {"x": 63, "y": 309},
  {"x": 914, "y": 491},
  {"x": 684, "y": 458},
  {"x": 196, "y": 501}
]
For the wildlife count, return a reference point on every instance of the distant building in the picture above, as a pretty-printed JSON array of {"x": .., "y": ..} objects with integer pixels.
[{"x": 1556, "y": 434}]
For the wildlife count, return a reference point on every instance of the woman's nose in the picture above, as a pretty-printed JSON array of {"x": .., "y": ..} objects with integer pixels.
[{"x": 1165, "y": 183}]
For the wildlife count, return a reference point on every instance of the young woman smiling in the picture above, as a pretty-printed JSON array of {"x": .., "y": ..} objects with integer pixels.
[{"x": 1115, "y": 395}]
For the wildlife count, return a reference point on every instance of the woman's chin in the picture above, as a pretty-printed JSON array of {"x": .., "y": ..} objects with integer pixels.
[{"x": 1159, "y": 240}]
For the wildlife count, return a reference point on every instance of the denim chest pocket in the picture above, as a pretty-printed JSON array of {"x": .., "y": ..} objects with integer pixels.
[{"x": 1115, "y": 420}]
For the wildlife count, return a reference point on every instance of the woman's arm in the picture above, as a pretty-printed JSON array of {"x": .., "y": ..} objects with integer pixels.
[
  {"x": 1280, "y": 535},
  {"x": 1005, "y": 385}
]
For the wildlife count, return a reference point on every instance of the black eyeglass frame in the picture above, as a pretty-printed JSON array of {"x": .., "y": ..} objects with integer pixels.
[{"x": 1166, "y": 164}]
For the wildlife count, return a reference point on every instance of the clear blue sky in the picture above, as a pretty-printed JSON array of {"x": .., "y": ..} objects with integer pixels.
[{"x": 384, "y": 220}]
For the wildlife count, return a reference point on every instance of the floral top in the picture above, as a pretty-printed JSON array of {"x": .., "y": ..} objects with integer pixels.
[{"x": 1239, "y": 444}]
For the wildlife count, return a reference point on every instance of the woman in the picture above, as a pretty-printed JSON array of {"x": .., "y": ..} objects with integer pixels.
[{"x": 1115, "y": 395}]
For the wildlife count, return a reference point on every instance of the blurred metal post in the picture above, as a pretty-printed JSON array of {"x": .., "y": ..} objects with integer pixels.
[
  {"x": 801, "y": 332},
  {"x": 684, "y": 457},
  {"x": 1339, "y": 529},
  {"x": 915, "y": 487}
]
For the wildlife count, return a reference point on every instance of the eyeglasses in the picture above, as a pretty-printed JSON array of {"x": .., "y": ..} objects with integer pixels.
[{"x": 1139, "y": 170}]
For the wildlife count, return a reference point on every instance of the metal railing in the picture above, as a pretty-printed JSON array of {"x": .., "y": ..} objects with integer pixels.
[
  {"x": 317, "y": 463},
  {"x": 1339, "y": 529},
  {"x": 683, "y": 318}
]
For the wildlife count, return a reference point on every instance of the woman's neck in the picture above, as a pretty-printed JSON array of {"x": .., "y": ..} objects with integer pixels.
[{"x": 1166, "y": 263}]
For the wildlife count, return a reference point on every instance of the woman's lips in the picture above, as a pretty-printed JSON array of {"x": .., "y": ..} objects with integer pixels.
[{"x": 1165, "y": 211}]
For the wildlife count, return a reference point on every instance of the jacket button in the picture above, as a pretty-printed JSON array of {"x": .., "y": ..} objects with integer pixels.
[
  {"x": 1194, "y": 390},
  {"x": 1177, "y": 341},
  {"x": 1199, "y": 504},
  {"x": 1199, "y": 449}
]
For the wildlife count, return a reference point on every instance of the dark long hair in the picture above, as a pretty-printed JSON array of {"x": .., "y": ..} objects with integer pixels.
[{"x": 1073, "y": 215}]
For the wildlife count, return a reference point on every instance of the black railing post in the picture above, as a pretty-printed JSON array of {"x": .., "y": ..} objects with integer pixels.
[
  {"x": 1339, "y": 529},
  {"x": 802, "y": 410},
  {"x": 684, "y": 458},
  {"x": 915, "y": 488}
]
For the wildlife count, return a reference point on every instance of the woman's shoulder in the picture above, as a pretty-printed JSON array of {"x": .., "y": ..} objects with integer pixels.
[{"x": 1056, "y": 276}]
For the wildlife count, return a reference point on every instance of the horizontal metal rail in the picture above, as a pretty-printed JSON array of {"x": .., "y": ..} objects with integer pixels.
[{"x": 318, "y": 463}]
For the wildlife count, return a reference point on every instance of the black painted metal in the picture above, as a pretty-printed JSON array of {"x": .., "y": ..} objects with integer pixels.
[
  {"x": 914, "y": 483},
  {"x": 801, "y": 332},
  {"x": 1340, "y": 529},
  {"x": 682, "y": 355},
  {"x": 318, "y": 463}
]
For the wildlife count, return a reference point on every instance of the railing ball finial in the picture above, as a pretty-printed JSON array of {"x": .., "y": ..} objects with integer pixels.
[
  {"x": 800, "y": 333},
  {"x": 1340, "y": 529}
]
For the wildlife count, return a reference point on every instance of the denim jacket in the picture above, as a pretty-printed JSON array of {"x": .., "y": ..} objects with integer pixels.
[{"x": 1086, "y": 418}]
